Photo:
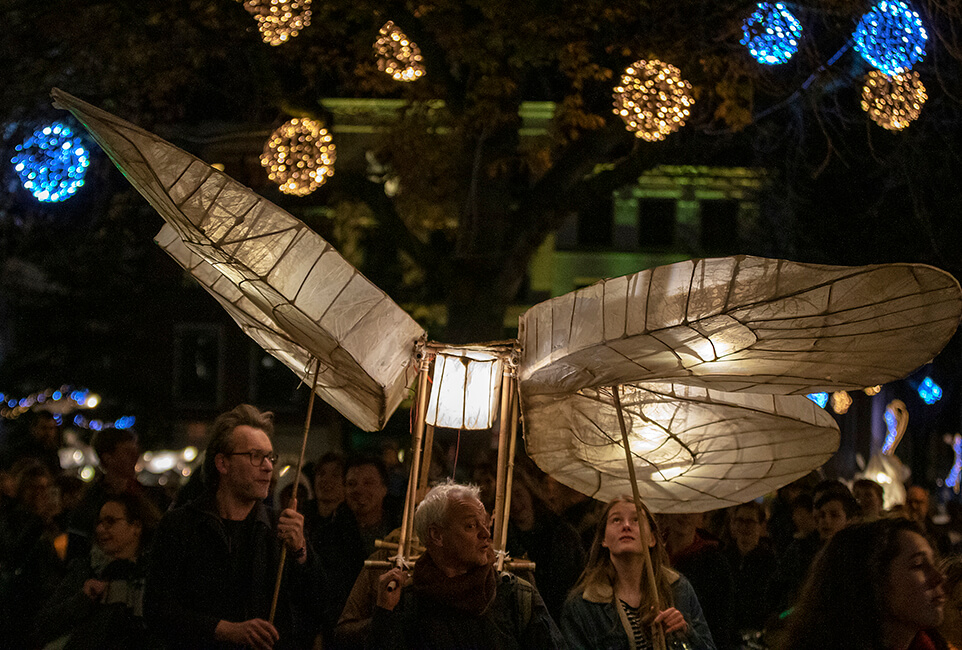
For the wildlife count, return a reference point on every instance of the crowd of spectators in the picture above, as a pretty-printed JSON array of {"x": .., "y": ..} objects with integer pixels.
[{"x": 75, "y": 557}]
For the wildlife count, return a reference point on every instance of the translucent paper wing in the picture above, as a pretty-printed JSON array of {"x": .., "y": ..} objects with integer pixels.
[
  {"x": 298, "y": 291},
  {"x": 742, "y": 324},
  {"x": 714, "y": 357},
  {"x": 350, "y": 396},
  {"x": 694, "y": 450}
]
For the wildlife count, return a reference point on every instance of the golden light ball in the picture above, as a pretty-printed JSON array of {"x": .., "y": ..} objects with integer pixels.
[
  {"x": 397, "y": 55},
  {"x": 893, "y": 102},
  {"x": 653, "y": 99},
  {"x": 299, "y": 156},
  {"x": 279, "y": 20}
]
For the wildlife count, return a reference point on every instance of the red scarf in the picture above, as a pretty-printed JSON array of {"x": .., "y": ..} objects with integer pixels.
[
  {"x": 922, "y": 641},
  {"x": 472, "y": 592}
]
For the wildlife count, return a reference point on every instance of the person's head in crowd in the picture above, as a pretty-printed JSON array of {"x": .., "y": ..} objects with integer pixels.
[
  {"x": 118, "y": 452},
  {"x": 870, "y": 497},
  {"x": 526, "y": 504},
  {"x": 618, "y": 539},
  {"x": 124, "y": 526},
  {"x": 484, "y": 474},
  {"x": 747, "y": 525},
  {"x": 679, "y": 530},
  {"x": 875, "y": 586},
  {"x": 917, "y": 503},
  {"x": 35, "y": 488},
  {"x": 365, "y": 486},
  {"x": 951, "y": 627},
  {"x": 239, "y": 462},
  {"x": 329, "y": 482},
  {"x": 803, "y": 515},
  {"x": 834, "y": 509},
  {"x": 453, "y": 526},
  {"x": 303, "y": 496},
  {"x": 43, "y": 428}
]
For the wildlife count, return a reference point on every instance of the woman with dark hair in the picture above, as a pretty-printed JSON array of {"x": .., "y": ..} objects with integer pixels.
[
  {"x": 875, "y": 586},
  {"x": 99, "y": 603},
  {"x": 612, "y": 605}
]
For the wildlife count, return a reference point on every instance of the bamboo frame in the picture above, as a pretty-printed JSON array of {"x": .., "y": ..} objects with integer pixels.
[
  {"x": 657, "y": 633},
  {"x": 297, "y": 480}
]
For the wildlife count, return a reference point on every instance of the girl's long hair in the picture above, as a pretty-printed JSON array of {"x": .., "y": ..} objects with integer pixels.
[
  {"x": 842, "y": 603},
  {"x": 601, "y": 571}
]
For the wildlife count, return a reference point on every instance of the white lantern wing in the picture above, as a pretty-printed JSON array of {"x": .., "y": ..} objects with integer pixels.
[
  {"x": 742, "y": 324},
  {"x": 302, "y": 291},
  {"x": 693, "y": 449},
  {"x": 708, "y": 350}
]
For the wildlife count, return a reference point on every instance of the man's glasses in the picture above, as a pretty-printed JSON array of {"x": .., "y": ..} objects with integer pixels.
[{"x": 256, "y": 457}]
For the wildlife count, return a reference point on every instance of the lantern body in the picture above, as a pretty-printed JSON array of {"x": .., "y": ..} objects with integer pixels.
[{"x": 465, "y": 389}]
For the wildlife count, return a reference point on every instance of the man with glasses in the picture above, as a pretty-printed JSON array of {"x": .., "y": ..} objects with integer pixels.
[{"x": 214, "y": 562}]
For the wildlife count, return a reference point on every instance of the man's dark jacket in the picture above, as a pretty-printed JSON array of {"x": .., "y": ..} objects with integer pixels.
[{"x": 189, "y": 571}]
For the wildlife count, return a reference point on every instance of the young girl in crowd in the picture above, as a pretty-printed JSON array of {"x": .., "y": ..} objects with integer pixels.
[
  {"x": 611, "y": 606},
  {"x": 875, "y": 586}
]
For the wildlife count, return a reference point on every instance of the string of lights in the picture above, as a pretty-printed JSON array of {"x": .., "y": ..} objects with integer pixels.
[{"x": 60, "y": 402}]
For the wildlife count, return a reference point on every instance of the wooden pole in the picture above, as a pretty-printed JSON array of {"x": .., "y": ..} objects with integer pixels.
[
  {"x": 297, "y": 479},
  {"x": 410, "y": 501},
  {"x": 657, "y": 633},
  {"x": 425, "y": 462},
  {"x": 512, "y": 446},
  {"x": 499, "y": 486}
]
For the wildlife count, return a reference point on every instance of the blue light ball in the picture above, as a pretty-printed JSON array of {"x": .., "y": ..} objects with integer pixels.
[
  {"x": 771, "y": 33},
  {"x": 52, "y": 163},
  {"x": 891, "y": 37}
]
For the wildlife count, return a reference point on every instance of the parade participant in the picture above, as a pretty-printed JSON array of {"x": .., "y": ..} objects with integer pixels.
[
  {"x": 752, "y": 561},
  {"x": 871, "y": 498},
  {"x": 99, "y": 602},
  {"x": 214, "y": 562},
  {"x": 951, "y": 627},
  {"x": 611, "y": 606},
  {"x": 456, "y": 598},
  {"x": 875, "y": 587}
]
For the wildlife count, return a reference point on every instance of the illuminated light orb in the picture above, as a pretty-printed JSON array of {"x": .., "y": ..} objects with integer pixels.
[
  {"x": 955, "y": 474},
  {"x": 771, "y": 33},
  {"x": 299, "y": 156},
  {"x": 891, "y": 37},
  {"x": 819, "y": 398},
  {"x": 279, "y": 20},
  {"x": 841, "y": 401},
  {"x": 51, "y": 163},
  {"x": 893, "y": 102},
  {"x": 397, "y": 55},
  {"x": 653, "y": 99},
  {"x": 873, "y": 390},
  {"x": 929, "y": 391}
]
